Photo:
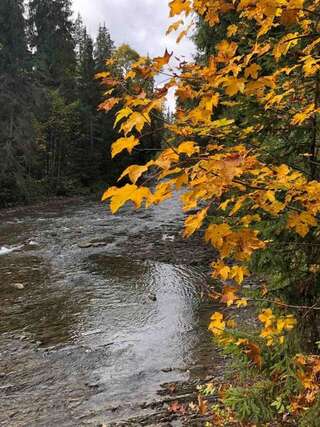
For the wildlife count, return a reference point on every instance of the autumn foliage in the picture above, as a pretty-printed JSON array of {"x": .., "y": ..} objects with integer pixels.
[{"x": 244, "y": 148}]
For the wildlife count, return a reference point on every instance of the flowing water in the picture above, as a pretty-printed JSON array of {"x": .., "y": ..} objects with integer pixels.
[{"x": 97, "y": 311}]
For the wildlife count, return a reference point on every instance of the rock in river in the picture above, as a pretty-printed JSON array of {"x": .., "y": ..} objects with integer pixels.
[{"x": 19, "y": 286}]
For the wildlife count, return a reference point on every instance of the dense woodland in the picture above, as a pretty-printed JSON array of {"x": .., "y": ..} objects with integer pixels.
[{"x": 54, "y": 140}]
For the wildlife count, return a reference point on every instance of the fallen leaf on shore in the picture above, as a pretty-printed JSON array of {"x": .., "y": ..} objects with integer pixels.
[
  {"x": 177, "y": 408},
  {"x": 203, "y": 405}
]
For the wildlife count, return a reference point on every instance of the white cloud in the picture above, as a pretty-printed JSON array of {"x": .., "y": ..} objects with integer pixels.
[{"x": 140, "y": 23}]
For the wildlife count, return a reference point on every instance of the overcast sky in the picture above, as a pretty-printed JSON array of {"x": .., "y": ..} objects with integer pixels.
[{"x": 140, "y": 23}]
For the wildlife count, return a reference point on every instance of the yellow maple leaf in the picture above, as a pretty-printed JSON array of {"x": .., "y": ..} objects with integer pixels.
[
  {"x": 266, "y": 317},
  {"x": 229, "y": 295},
  {"x": 194, "y": 222},
  {"x": 238, "y": 273},
  {"x": 120, "y": 196},
  {"x": 242, "y": 302},
  {"x": 161, "y": 61},
  {"x": 136, "y": 120},
  {"x": 252, "y": 71},
  {"x": 124, "y": 144},
  {"x": 285, "y": 43},
  {"x": 181, "y": 180},
  {"x": 311, "y": 65},
  {"x": 234, "y": 85},
  {"x": 301, "y": 222},
  {"x": 163, "y": 191},
  {"x": 135, "y": 172},
  {"x": 226, "y": 51},
  {"x": 188, "y": 147},
  {"x": 289, "y": 322},
  {"x": 303, "y": 115},
  {"x": 220, "y": 270},
  {"x": 217, "y": 324},
  {"x": 216, "y": 233},
  {"x": 232, "y": 30},
  {"x": 123, "y": 113},
  {"x": 179, "y": 6}
]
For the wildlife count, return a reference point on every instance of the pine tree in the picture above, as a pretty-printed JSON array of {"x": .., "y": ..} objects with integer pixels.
[
  {"x": 86, "y": 156},
  {"x": 87, "y": 69},
  {"x": 51, "y": 37},
  {"x": 104, "y": 47},
  {"x": 13, "y": 44},
  {"x": 16, "y": 99},
  {"x": 78, "y": 30}
]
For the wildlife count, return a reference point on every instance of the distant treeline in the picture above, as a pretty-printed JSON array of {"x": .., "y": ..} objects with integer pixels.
[{"x": 53, "y": 138}]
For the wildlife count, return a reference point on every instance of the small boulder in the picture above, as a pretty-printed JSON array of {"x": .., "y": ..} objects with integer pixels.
[
  {"x": 152, "y": 297},
  {"x": 19, "y": 286},
  {"x": 85, "y": 245}
]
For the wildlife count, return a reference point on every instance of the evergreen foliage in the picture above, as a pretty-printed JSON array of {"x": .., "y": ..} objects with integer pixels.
[{"x": 53, "y": 138}]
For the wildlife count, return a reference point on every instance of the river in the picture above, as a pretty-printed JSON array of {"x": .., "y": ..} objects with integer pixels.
[{"x": 97, "y": 312}]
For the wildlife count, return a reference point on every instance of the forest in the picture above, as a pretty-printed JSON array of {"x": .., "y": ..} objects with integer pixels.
[
  {"x": 54, "y": 139},
  {"x": 191, "y": 292}
]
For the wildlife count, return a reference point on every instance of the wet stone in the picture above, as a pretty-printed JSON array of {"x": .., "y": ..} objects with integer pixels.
[{"x": 19, "y": 286}]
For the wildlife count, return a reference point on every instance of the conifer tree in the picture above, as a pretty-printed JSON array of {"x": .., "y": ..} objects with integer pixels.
[
  {"x": 51, "y": 37},
  {"x": 16, "y": 98},
  {"x": 104, "y": 47}
]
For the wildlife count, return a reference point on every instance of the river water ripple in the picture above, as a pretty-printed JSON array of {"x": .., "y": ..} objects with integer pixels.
[{"x": 90, "y": 325}]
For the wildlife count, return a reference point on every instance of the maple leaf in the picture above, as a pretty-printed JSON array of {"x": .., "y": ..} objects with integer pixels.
[
  {"x": 123, "y": 113},
  {"x": 120, "y": 196},
  {"x": 102, "y": 75},
  {"x": 254, "y": 354},
  {"x": 179, "y": 6},
  {"x": 289, "y": 16},
  {"x": 181, "y": 180},
  {"x": 242, "y": 302},
  {"x": 232, "y": 30},
  {"x": 221, "y": 270},
  {"x": 162, "y": 192},
  {"x": 136, "y": 120},
  {"x": 286, "y": 42},
  {"x": 311, "y": 65},
  {"x": 135, "y": 171},
  {"x": 252, "y": 71},
  {"x": 238, "y": 273},
  {"x": 229, "y": 295},
  {"x": 161, "y": 61},
  {"x": 131, "y": 74},
  {"x": 234, "y": 85},
  {"x": 226, "y": 51},
  {"x": 202, "y": 405},
  {"x": 188, "y": 147},
  {"x": 301, "y": 222},
  {"x": 124, "y": 144},
  {"x": 217, "y": 324},
  {"x": 194, "y": 222},
  {"x": 109, "y": 104},
  {"x": 303, "y": 115},
  {"x": 177, "y": 408},
  {"x": 266, "y": 317}
]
